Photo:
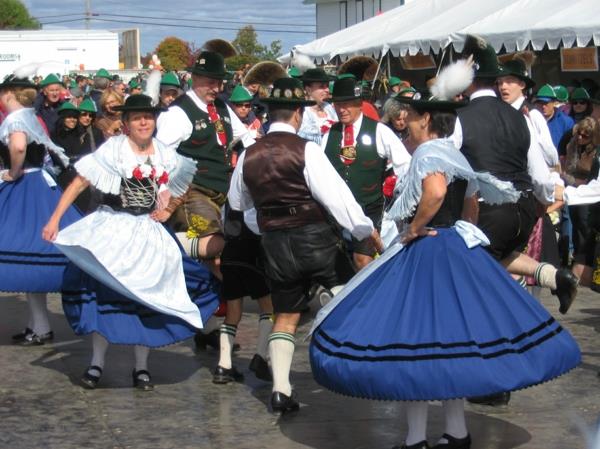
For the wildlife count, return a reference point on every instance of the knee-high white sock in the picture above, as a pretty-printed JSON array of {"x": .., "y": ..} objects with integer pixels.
[
  {"x": 455, "y": 419},
  {"x": 38, "y": 312},
  {"x": 545, "y": 276},
  {"x": 416, "y": 417},
  {"x": 190, "y": 245},
  {"x": 265, "y": 326},
  {"x": 281, "y": 351},
  {"x": 226, "y": 338},
  {"x": 99, "y": 347}
]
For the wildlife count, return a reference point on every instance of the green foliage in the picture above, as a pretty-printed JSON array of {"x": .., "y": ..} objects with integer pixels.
[
  {"x": 247, "y": 45},
  {"x": 174, "y": 53},
  {"x": 15, "y": 16},
  {"x": 239, "y": 61}
]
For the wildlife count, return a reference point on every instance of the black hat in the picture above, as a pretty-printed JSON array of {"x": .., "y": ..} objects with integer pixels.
[
  {"x": 484, "y": 57},
  {"x": 12, "y": 81},
  {"x": 315, "y": 76},
  {"x": 211, "y": 65},
  {"x": 288, "y": 92},
  {"x": 516, "y": 68},
  {"x": 419, "y": 101},
  {"x": 139, "y": 103},
  {"x": 345, "y": 88}
]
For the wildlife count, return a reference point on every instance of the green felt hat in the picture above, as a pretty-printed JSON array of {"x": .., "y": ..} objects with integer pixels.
[
  {"x": 419, "y": 101},
  {"x": 72, "y": 84},
  {"x": 561, "y": 93},
  {"x": 546, "y": 94},
  {"x": 139, "y": 103},
  {"x": 11, "y": 81},
  {"x": 406, "y": 90},
  {"x": 211, "y": 65},
  {"x": 240, "y": 95},
  {"x": 484, "y": 57},
  {"x": 288, "y": 92},
  {"x": 68, "y": 108},
  {"x": 394, "y": 81},
  {"x": 88, "y": 105},
  {"x": 169, "y": 79},
  {"x": 580, "y": 94},
  {"x": 133, "y": 84},
  {"x": 294, "y": 72},
  {"x": 346, "y": 88},
  {"x": 103, "y": 73},
  {"x": 51, "y": 79},
  {"x": 189, "y": 82},
  {"x": 315, "y": 76},
  {"x": 516, "y": 68}
]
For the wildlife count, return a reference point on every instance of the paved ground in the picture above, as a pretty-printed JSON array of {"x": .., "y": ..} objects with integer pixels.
[{"x": 42, "y": 406}]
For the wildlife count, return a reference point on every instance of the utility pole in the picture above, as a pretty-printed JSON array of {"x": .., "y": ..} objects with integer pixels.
[{"x": 88, "y": 13}]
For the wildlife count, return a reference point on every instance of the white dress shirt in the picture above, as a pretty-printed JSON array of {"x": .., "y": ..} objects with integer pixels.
[
  {"x": 173, "y": 126},
  {"x": 389, "y": 146},
  {"x": 323, "y": 182}
]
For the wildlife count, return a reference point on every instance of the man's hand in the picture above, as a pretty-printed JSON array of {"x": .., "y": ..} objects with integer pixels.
[
  {"x": 413, "y": 233},
  {"x": 161, "y": 215},
  {"x": 377, "y": 242}
]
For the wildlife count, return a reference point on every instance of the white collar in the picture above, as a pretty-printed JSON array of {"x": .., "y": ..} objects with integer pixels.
[
  {"x": 518, "y": 102},
  {"x": 196, "y": 99},
  {"x": 281, "y": 127},
  {"x": 483, "y": 93}
]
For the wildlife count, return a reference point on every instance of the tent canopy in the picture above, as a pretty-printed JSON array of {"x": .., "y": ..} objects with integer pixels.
[{"x": 426, "y": 25}]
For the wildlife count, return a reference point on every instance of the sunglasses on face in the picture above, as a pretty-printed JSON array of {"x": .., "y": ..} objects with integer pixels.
[
  {"x": 243, "y": 105},
  {"x": 85, "y": 114}
]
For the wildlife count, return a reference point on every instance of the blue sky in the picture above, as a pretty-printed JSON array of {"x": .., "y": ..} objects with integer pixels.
[{"x": 278, "y": 18}]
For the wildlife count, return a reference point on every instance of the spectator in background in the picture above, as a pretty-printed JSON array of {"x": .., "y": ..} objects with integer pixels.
[
  {"x": 101, "y": 82},
  {"x": 394, "y": 116},
  {"x": 581, "y": 104},
  {"x": 170, "y": 89},
  {"x": 110, "y": 122},
  {"x": 48, "y": 100},
  {"x": 559, "y": 123}
]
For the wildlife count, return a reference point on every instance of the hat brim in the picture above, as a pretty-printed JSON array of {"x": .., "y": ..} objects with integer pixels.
[
  {"x": 431, "y": 105},
  {"x": 544, "y": 99},
  {"x": 153, "y": 109},
  {"x": 212, "y": 75},
  {"x": 345, "y": 98},
  {"x": 287, "y": 102},
  {"x": 529, "y": 83},
  {"x": 25, "y": 85},
  {"x": 317, "y": 80}
]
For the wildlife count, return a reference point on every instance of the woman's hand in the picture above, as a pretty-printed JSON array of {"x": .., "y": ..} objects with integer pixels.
[
  {"x": 50, "y": 231},
  {"x": 161, "y": 215},
  {"x": 413, "y": 233},
  {"x": 7, "y": 176}
]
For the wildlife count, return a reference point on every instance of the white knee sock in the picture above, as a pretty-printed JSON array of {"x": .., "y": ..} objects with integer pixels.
[
  {"x": 190, "y": 245},
  {"x": 455, "y": 419},
  {"x": 281, "y": 351},
  {"x": 416, "y": 417},
  {"x": 545, "y": 276},
  {"x": 99, "y": 347},
  {"x": 38, "y": 313},
  {"x": 265, "y": 326},
  {"x": 226, "y": 338}
]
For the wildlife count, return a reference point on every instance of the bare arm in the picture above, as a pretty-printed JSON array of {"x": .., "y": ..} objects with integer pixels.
[
  {"x": 78, "y": 185},
  {"x": 17, "y": 147},
  {"x": 434, "y": 191},
  {"x": 471, "y": 209}
]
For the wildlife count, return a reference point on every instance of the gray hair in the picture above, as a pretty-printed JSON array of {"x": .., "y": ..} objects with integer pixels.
[
  {"x": 101, "y": 83},
  {"x": 392, "y": 109}
]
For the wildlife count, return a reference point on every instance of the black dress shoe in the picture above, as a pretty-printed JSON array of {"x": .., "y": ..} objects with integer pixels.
[
  {"x": 454, "y": 443},
  {"x": 281, "y": 403},
  {"x": 260, "y": 368},
  {"x": 224, "y": 375},
  {"x": 420, "y": 445},
  {"x": 21, "y": 335},
  {"x": 89, "y": 380},
  {"x": 491, "y": 399},
  {"x": 566, "y": 289},
  {"x": 34, "y": 339},
  {"x": 140, "y": 381},
  {"x": 212, "y": 339}
]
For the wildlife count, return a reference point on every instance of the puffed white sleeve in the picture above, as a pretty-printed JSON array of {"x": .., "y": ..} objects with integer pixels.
[
  {"x": 330, "y": 190},
  {"x": 239, "y": 196},
  {"x": 100, "y": 168},
  {"x": 173, "y": 127},
  {"x": 584, "y": 194},
  {"x": 181, "y": 177},
  {"x": 390, "y": 147}
]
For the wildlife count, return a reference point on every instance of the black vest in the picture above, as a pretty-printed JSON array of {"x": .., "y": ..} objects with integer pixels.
[
  {"x": 496, "y": 140},
  {"x": 34, "y": 155}
]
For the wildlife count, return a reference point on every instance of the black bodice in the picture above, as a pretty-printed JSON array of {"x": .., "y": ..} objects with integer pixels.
[
  {"x": 451, "y": 210},
  {"x": 137, "y": 197}
]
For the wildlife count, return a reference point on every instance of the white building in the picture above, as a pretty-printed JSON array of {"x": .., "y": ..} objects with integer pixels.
[
  {"x": 66, "y": 50},
  {"x": 335, "y": 15}
]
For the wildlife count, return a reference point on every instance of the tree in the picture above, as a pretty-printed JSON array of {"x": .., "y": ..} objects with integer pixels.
[
  {"x": 15, "y": 16},
  {"x": 250, "y": 51},
  {"x": 174, "y": 53}
]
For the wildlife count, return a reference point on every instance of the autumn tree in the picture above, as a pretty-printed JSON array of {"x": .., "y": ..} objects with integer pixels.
[
  {"x": 250, "y": 51},
  {"x": 15, "y": 16},
  {"x": 174, "y": 53}
]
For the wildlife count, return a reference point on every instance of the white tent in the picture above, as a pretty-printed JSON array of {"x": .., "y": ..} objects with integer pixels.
[{"x": 427, "y": 25}]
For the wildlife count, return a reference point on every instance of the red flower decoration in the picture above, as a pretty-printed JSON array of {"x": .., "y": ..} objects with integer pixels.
[
  {"x": 388, "y": 186},
  {"x": 152, "y": 173},
  {"x": 326, "y": 126},
  {"x": 164, "y": 178},
  {"x": 137, "y": 173}
]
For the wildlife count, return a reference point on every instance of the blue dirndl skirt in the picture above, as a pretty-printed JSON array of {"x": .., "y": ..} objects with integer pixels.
[
  {"x": 27, "y": 262},
  {"x": 90, "y": 306},
  {"x": 439, "y": 321}
]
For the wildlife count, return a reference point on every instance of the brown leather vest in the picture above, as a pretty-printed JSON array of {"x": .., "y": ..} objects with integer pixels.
[{"x": 274, "y": 175}]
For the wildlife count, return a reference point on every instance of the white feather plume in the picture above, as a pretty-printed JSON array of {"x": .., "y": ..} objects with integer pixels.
[
  {"x": 302, "y": 62},
  {"x": 453, "y": 79},
  {"x": 38, "y": 68},
  {"x": 153, "y": 86}
]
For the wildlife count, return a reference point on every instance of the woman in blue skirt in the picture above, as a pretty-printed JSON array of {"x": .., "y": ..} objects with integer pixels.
[
  {"x": 436, "y": 318},
  {"x": 130, "y": 282},
  {"x": 28, "y": 195}
]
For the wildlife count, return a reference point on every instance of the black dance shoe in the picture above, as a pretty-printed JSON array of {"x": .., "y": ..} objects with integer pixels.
[
  {"x": 34, "y": 339},
  {"x": 281, "y": 403},
  {"x": 212, "y": 339},
  {"x": 89, "y": 380},
  {"x": 420, "y": 445},
  {"x": 140, "y": 382},
  {"x": 224, "y": 375},
  {"x": 566, "y": 289},
  {"x": 260, "y": 368},
  {"x": 491, "y": 399},
  {"x": 454, "y": 443},
  {"x": 17, "y": 338}
]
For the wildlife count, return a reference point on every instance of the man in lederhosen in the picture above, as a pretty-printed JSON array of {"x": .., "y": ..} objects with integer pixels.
[{"x": 294, "y": 189}]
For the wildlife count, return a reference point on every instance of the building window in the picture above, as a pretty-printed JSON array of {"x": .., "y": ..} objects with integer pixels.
[
  {"x": 343, "y": 15},
  {"x": 359, "y": 11}
]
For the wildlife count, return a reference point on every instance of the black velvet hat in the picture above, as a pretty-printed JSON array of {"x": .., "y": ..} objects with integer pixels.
[
  {"x": 12, "y": 81},
  {"x": 210, "y": 64},
  {"x": 421, "y": 102},
  {"x": 288, "y": 92},
  {"x": 516, "y": 68},
  {"x": 315, "y": 76},
  {"x": 346, "y": 88},
  {"x": 139, "y": 103}
]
